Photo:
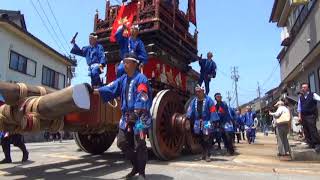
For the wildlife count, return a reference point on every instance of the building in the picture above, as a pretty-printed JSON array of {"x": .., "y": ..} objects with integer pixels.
[
  {"x": 25, "y": 58},
  {"x": 300, "y": 38}
]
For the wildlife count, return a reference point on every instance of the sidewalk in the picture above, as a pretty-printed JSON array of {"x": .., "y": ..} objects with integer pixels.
[{"x": 300, "y": 150}]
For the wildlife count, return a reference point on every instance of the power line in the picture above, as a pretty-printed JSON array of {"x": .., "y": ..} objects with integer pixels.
[
  {"x": 45, "y": 25},
  {"x": 271, "y": 75},
  {"x": 54, "y": 32},
  {"x": 233, "y": 102},
  {"x": 228, "y": 97},
  {"x": 223, "y": 73},
  {"x": 57, "y": 23}
]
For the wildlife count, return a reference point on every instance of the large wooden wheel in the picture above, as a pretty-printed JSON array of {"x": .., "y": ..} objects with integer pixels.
[
  {"x": 166, "y": 135},
  {"x": 192, "y": 141},
  {"x": 95, "y": 143}
]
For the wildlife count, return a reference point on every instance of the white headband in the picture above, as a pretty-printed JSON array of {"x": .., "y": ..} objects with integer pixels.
[
  {"x": 135, "y": 27},
  {"x": 94, "y": 36},
  {"x": 199, "y": 88},
  {"x": 132, "y": 59}
]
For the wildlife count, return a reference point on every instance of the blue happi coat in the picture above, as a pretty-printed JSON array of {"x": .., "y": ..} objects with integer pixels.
[
  {"x": 94, "y": 56},
  {"x": 240, "y": 122},
  {"x": 233, "y": 117},
  {"x": 224, "y": 116},
  {"x": 208, "y": 117},
  {"x": 207, "y": 67},
  {"x": 130, "y": 45},
  {"x": 137, "y": 97},
  {"x": 249, "y": 118}
]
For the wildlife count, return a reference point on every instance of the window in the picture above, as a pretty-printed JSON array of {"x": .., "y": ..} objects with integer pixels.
[
  {"x": 52, "y": 78},
  {"x": 311, "y": 3},
  {"x": 22, "y": 64},
  {"x": 298, "y": 17},
  {"x": 312, "y": 82}
]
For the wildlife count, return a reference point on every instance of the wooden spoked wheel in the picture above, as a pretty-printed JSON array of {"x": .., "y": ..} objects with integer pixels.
[
  {"x": 166, "y": 141},
  {"x": 192, "y": 141}
]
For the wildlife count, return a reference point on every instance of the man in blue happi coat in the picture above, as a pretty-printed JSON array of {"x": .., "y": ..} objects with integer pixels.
[
  {"x": 207, "y": 70},
  {"x": 233, "y": 117},
  {"x": 96, "y": 60},
  {"x": 249, "y": 124},
  {"x": 132, "y": 44},
  {"x": 201, "y": 116},
  {"x": 238, "y": 125},
  {"x": 136, "y": 99},
  {"x": 225, "y": 123}
]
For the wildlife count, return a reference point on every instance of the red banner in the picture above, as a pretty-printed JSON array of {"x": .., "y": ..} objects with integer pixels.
[
  {"x": 192, "y": 11},
  {"x": 159, "y": 71},
  {"x": 125, "y": 16}
]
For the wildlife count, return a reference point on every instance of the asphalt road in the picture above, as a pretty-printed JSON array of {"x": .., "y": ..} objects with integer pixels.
[{"x": 54, "y": 160}]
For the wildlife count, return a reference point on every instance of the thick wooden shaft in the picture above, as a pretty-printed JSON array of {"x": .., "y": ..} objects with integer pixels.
[
  {"x": 11, "y": 92},
  {"x": 60, "y": 103}
]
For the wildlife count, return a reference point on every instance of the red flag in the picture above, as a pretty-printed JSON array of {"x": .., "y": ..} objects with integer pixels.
[
  {"x": 125, "y": 16},
  {"x": 192, "y": 11}
]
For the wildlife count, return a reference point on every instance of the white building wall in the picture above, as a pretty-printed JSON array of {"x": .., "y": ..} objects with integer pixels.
[
  {"x": 300, "y": 47},
  {"x": 10, "y": 41}
]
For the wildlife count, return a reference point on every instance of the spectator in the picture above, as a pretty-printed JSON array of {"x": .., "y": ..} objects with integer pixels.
[
  {"x": 282, "y": 123},
  {"x": 308, "y": 113}
]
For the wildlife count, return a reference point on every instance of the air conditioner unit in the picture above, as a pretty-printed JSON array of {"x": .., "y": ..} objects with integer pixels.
[
  {"x": 73, "y": 69},
  {"x": 284, "y": 34},
  {"x": 299, "y": 2}
]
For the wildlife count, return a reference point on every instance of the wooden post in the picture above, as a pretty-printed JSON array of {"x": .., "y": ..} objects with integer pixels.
[
  {"x": 174, "y": 13},
  {"x": 142, "y": 4},
  {"x": 96, "y": 19},
  {"x": 157, "y": 13},
  {"x": 12, "y": 93},
  {"x": 157, "y": 8},
  {"x": 138, "y": 11},
  {"x": 106, "y": 17}
]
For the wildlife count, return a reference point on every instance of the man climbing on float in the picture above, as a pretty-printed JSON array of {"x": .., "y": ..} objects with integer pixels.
[
  {"x": 94, "y": 54},
  {"x": 200, "y": 112},
  {"x": 207, "y": 70},
  {"x": 136, "y": 99},
  {"x": 131, "y": 44}
]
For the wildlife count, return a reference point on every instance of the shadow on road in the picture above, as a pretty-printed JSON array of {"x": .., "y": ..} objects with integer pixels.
[
  {"x": 87, "y": 167},
  {"x": 96, "y": 166}
]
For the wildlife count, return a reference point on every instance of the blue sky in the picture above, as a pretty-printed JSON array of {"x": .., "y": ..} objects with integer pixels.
[{"x": 238, "y": 32}]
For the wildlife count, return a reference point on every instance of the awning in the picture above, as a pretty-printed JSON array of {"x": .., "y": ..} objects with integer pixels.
[{"x": 292, "y": 99}]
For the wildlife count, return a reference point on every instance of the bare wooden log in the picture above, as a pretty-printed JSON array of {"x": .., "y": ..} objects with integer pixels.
[
  {"x": 13, "y": 93},
  {"x": 33, "y": 112},
  {"x": 60, "y": 103}
]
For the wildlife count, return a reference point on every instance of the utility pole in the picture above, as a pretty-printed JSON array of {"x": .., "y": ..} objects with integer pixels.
[
  {"x": 259, "y": 96},
  {"x": 229, "y": 97},
  {"x": 235, "y": 76}
]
